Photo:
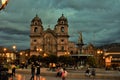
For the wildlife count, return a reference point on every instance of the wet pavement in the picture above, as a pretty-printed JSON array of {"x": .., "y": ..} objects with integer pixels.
[
  {"x": 24, "y": 74},
  {"x": 27, "y": 77}
]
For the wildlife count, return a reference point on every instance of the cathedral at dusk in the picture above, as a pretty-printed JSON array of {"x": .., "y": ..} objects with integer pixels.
[{"x": 50, "y": 41}]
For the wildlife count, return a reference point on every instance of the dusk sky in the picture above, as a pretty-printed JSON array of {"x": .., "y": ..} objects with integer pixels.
[{"x": 98, "y": 20}]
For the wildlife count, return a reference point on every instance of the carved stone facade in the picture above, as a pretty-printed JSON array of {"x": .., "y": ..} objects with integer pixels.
[{"x": 49, "y": 41}]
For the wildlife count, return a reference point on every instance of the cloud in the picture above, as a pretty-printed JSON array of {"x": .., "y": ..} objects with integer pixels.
[{"x": 99, "y": 20}]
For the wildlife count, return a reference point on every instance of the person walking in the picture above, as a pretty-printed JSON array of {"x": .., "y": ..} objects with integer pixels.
[
  {"x": 38, "y": 73},
  {"x": 59, "y": 72},
  {"x": 87, "y": 72},
  {"x": 32, "y": 72},
  {"x": 13, "y": 69},
  {"x": 64, "y": 74}
]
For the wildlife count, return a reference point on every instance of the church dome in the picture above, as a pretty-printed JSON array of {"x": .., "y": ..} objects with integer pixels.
[
  {"x": 36, "y": 19},
  {"x": 62, "y": 20}
]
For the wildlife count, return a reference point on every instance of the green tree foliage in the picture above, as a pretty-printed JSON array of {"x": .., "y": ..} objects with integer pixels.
[
  {"x": 67, "y": 60},
  {"x": 33, "y": 58},
  {"x": 91, "y": 61},
  {"x": 50, "y": 58},
  {"x": 40, "y": 58},
  {"x": 53, "y": 58}
]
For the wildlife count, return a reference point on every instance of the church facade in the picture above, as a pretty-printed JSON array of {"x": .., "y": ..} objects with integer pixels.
[{"x": 56, "y": 41}]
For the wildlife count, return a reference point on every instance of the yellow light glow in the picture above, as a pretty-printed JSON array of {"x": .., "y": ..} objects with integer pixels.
[
  {"x": 21, "y": 53},
  {"x": 5, "y": 49},
  {"x": 14, "y": 47},
  {"x": 44, "y": 54},
  {"x": 4, "y": 2}
]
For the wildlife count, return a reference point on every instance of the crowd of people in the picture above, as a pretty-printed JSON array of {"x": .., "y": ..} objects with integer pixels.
[{"x": 61, "y": 72}]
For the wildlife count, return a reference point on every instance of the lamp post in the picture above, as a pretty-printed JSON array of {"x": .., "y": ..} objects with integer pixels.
[
  {"x": 14, "y": 47},
  {"x": 26, "y": 57},
  {"x": 5, "y": 57},
  {"x": 100, "y": 59},
  {"x": 14, "y": 51},
  {"x": 21, "y": 57},
  {"x": 39, "y": 50},
  {"x": 3, "y": 4},
  {"x": 67, "y": 53},
  {"x": 44, "y": 55}
]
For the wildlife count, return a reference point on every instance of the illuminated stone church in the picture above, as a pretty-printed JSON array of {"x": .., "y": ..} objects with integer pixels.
[{"x": 43, "y": 42}]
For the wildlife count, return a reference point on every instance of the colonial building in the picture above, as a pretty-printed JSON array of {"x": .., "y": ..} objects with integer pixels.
[
  {"x": 6, "y": 55},
  {"x": 43, "y": 42},
  {"x": 112, "y": 56}
]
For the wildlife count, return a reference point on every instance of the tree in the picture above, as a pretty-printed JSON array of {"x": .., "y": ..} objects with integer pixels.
[
  {"x": 40, "y": 58},
  {"x": 33, "y": 58},
  {"x": 53, "y": 58},
  {"x": 91, "y": 61},
  {"x": 66, "y": 60}
]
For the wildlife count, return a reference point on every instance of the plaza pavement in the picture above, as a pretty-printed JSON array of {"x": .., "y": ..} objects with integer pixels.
[{"x": 24, "y": 74}]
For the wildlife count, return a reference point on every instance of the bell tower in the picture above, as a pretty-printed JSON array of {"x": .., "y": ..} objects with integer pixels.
[
  {"x": 36, "y": 25},
  {"x": 35, "y": 34},
  {"x": 61, "y": 29}
]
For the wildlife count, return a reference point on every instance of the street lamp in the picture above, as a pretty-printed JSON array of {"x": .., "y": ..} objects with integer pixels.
[
  {"x": 39, "y": 50},
  {"x": 3, "y": 4},
  {"x": 100, "y": 59},
  {"x": 44, "y": 55},
  {"x": 4, "y": 49},
  {"x": 99, "y": 51},
  {"x": 5, "y": 54},
  {"x": 14, "y": 47},
  {"x": 67, "y": 53},
  {"x": 14, "y": 50}
]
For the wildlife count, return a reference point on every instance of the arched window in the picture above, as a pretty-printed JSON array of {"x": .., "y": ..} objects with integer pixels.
[
  {"x": 35, "y": 29},
  {"x": 62, "y": 29}
]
